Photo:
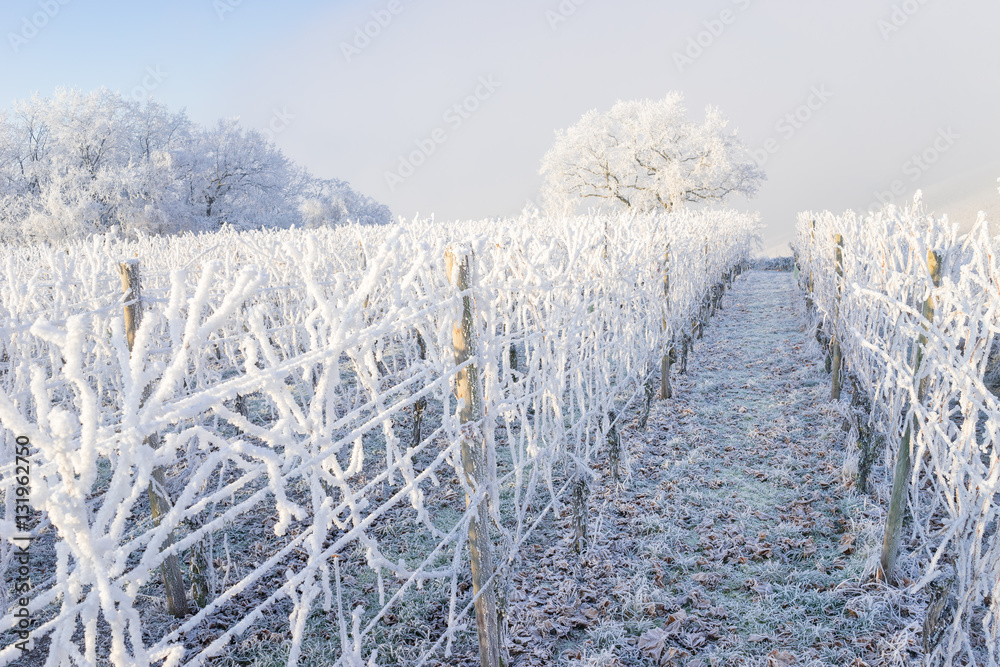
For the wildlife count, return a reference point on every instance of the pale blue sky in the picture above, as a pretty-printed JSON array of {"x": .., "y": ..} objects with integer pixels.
[{"x": 893, "y": 94}]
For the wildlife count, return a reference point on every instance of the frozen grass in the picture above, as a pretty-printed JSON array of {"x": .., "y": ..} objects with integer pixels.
[
  {"x": 735, "y": 537},
  {"x": 736, "y": 541}
]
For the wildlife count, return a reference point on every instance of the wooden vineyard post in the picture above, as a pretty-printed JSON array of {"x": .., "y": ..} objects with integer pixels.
[
  {"x": 685, "y": 344},
  {"x": 579, "y": 493},
  {"x": 458, "y": 263},
  {"x": 809, "y": 281},
  {"x": 159, "y": 503},
  {"x": 665, "y": 389},
  {"x": 647, "y": 403},
  {"x": 706, "y": 299},
  {"x": 420, "y": 405},
  {"x": 838, "y": 358},
  {"x": 900, "y": 478},
  {"x": 614, "y": 443}
]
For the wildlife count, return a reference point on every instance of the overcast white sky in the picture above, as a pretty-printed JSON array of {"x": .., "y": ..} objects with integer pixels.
[{"x": 900, "y": 77}]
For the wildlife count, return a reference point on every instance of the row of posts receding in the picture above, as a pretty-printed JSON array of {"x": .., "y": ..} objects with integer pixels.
[
  {"x": 836, "y": 366},
  {"x": 458, "y": 265}
]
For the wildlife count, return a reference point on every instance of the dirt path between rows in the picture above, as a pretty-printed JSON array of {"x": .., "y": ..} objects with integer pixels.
[{"x": 734, "y": 540}]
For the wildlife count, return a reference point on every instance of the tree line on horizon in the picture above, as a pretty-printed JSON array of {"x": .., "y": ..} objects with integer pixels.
[{"x": 76, "y": 164}]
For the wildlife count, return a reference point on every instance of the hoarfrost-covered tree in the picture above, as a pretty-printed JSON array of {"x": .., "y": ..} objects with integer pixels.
[
  {"x": 645, "y": 155},
  {"x": 80, "y": 163},
  {"x": 329, "y": 201},
  {"x": 240, "y": 178}
]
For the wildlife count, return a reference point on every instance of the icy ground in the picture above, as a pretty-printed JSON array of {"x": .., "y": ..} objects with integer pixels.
[{"x": 734, "y": 541}]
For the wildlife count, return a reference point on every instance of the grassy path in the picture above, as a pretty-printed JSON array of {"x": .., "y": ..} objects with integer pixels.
[{"x": 733, "y": 542}]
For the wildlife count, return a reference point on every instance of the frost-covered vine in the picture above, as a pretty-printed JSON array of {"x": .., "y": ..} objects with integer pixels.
[
  {"x": 295, "y": 389},
  {"x": 951, "y": 542}
]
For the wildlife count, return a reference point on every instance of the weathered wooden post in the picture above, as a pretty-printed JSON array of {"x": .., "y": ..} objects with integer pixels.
[
  {"x": 868, "y": 438},
  {"x": 706, "y": 302},
  {"x": 685, "y": 344},
  {"x": 665, "y": 389},
  {"x": 838, "y": 358},
  {"x": 901, "y": 475},
  {"x": 159, "y": 502},
  {"x": 579, "y": 494},
  {"x": 614, "y": 442},
  {"x": 458, "y": 265},
  {"x": 647, "y": 403},
  {"x": 809, "y": 281},
  {"x": 419, "y": 405}
]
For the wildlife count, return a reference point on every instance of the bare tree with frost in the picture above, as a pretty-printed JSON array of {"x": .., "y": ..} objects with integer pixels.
[{"x": 646, "y": 155}]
